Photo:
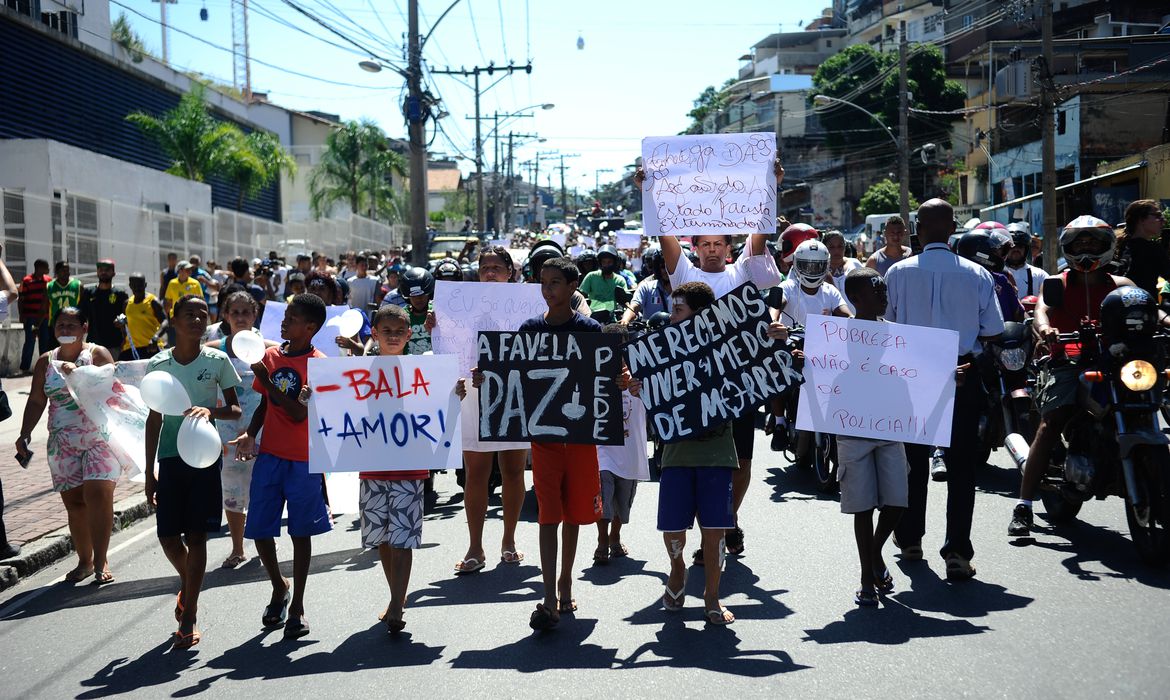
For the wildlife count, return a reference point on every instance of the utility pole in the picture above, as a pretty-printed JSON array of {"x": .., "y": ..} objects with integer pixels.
[
  {"x": 903, "y": 127},
  {"x": 1048, "y": 146},
  {"x": 416, "y": 118},
  {"x": 564, "y": 192},
  {"x": 166, "y": 55},
  {"x": 475, "y": 71}
]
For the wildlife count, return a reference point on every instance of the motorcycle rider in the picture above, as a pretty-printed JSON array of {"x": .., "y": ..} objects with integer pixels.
[
  {"x": 598, "y": 286},
  {"x": 1029, "y": 278},
  {"x": 1088, "y": 244},
  {"x": 652, "y": 294}
]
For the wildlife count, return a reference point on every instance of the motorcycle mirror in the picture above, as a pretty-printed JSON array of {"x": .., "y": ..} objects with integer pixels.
[
  {"x": 1052, "y": 292},
  {"x": 622, "y": 295},
  {"x": 774, "y": 297}
]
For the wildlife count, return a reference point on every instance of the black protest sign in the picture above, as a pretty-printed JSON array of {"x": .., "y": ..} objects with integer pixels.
[
  {"x": 712, "y": 367},
  {"x": 550, "y": 387}
]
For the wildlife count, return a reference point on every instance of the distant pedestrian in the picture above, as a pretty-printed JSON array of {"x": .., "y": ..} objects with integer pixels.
[
  {"x": 894, "y": 248},
  {"x": 34, "y": 313},
  {"x": 102, "y": 303},
  {"x": 63, "y": 291},
  {"x": 146, "y": 322},
  {"x": 168, "y": 273}
]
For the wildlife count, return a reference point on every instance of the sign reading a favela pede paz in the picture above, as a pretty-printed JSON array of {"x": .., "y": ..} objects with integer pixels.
[
  {"x": 712, "y": 367},
  {"x": 550, "y": 387},
  {"x": 388, "y": 413},
  {"x": 463, "y": 309},
  {"x": 878, "y": 380},
  {"x": 709, "y": 184}
]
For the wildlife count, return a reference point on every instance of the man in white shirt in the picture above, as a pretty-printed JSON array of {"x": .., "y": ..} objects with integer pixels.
[
  {"x": 362, "y": 287},
  {"x": 1029, "y": 279}
]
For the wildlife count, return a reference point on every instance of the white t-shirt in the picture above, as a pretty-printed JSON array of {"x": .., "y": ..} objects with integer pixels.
[
  {"x": 1021, "y": 278},
  {"x": 628, "y": 461},
  {"x": 798, "y": 305},
  {"x": 361, "y": 292},
  {"x": 759, "y": 269},
  {"x": 839, "y": 280}
]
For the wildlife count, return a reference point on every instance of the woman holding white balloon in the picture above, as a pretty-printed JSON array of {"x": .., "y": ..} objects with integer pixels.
[
  {"x": 83, "y": 468},
  {"x": 244, "y": 347},
  {"x": 186, "y": 492}
]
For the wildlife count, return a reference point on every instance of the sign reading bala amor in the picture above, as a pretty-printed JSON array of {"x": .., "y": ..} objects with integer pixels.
[
  {"x": 878, "y": 380},
  {"x": 712, "y": 367},
  {"x": 550, "y": 387},
  {"x": 384, "y": 413},
  {"x": 713, "y": 183},
  {"x": 463, "y": 309}
]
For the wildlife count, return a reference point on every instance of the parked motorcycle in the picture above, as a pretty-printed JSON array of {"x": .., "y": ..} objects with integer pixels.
[{"x": 1113, "y": 446}]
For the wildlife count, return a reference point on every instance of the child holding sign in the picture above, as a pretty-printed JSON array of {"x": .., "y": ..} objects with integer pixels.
[
  {"x": 873, "y": 473},
  {"x": 281, "y": 472}
]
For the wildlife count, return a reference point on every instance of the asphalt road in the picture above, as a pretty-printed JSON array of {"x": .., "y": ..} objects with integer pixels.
[{"x": 1071, "y": 613}]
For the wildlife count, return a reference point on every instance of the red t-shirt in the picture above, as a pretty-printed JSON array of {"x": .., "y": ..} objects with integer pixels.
[
  {"x": 411, "y": 475},
  {"x": 283, "y": 437}
]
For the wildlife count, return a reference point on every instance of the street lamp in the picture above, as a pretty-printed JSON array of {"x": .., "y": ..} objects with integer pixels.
[{"x": 900, "y": 144}]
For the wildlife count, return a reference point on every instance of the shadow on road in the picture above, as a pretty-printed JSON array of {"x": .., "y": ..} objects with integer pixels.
[
  {"x": 1086, "y": 544},
  {"x": 159, "y": 666},
  {"x": 790, "y": 483},
  {"x": 708, "y": 648},
  {"x": 894, "y": 623},
  {"x": 972, "y": 598},
  {"x": 499, "y": 583},
  {"x": 562, "y": 648}
]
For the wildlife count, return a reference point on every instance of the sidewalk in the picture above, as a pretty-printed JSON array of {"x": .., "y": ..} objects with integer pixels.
[{"x": 33, "y": 512}]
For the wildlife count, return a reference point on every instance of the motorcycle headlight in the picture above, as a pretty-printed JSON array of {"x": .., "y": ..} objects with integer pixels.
[
  {"x": 1138, "y": 375},
  {"x": 1013, "y": 359}
]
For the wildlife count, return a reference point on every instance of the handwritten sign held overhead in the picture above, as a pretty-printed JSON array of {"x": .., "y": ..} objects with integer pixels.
[
  {"x": 878, "y": 380},
  {"x": 709, "y": 184},
  {"x": 463, "y": 309},
  {"x": 712, "y": 367},
  {"x": 384, "y": 413},
  {"x": 550, "y": 387}
]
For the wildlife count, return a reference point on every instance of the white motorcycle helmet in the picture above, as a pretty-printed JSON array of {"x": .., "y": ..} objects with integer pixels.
[
  {"x": 1100, "y": 231},
  {"x": 810, "y": 263}
]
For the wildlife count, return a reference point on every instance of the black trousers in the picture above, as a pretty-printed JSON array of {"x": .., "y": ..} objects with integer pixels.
[{"x": 961, "y": 468}]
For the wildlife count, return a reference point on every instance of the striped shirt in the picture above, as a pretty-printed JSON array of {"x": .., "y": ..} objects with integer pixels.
[{"x": 33, "y": 301}]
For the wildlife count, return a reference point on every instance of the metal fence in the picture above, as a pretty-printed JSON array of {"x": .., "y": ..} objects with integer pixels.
[{"x": 83, "y": 230}]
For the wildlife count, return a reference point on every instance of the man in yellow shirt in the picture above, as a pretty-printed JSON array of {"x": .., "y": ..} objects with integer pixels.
[
  {"x": 181, "y": 286},
  {"x": 145, "y": 322}
]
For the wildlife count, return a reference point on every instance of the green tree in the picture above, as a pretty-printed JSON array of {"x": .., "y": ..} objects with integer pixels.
[
  {"x": 254, "y": 161},
  {"x": 197, "y": 143},
  {"x": 709, "y": 102},
  {"x": 869, "y": 79},
  {"x": 882, "y": 198},
  {"x": 356, "y": 169},
  {"x": 125, "y": 36}
]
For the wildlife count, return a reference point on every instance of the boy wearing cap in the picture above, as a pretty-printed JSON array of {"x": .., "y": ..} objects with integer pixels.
[
  {"x": 181, "y": 286},
  {"x": 102, "y": 303}
]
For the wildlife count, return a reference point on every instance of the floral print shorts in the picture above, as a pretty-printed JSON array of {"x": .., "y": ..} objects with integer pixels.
[
  {"x": 392, "y": 512},
  {"x": 74, "y": 459}
]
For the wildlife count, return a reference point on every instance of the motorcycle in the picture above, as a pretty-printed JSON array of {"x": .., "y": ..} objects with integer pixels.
[
  {"x": 813, "y": 451},
  {"x": 1113, "y": 445},
  {"x": 1006, "y": 370}
]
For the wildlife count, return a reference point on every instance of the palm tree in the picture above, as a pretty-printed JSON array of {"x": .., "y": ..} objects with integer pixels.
[
  {"x": 356, "y": 168},
  {"x": 254, "y": 161},
  {"x": 195, "y": 141}
]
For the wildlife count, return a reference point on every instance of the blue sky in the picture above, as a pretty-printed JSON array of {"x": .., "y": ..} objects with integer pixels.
[{"x": 641, "y": 66}]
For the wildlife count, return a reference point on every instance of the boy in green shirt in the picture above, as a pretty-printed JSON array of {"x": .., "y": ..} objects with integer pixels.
[{"x": 62, "y": 290}]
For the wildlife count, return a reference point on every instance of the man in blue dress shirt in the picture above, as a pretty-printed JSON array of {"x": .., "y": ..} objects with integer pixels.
[{"x": 939, "y": 289}]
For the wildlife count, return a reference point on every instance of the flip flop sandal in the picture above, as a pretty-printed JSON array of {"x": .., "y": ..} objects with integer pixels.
[
  {"x": 276, "y": 614},
  {"x": 673, "y": 601},
  {"x": 885, "y": 583},
  {"x": 179, "y": 606},
  {"x": 233, "y": 562},
  {"x": 718, "y": 618},
  {"x": 618, "y": 550},
  {"x": 77, "y": 576},
  {"x": 542, "y": 619},
  {"x": 103, "y": 577},
  {"x": 509, "y": 556},
  {"x": 468, "y": 566},
  {"x": 569, "y": 607},
  {"x": 186, "y": 641},
  {"x": 866, "y": 599},
  {"x": 296, "y": 628},
  {"x": 394, "y": 626},
  {"x": 601, "y": 555}
]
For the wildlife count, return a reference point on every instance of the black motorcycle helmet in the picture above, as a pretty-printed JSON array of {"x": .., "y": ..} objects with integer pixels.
[
  {"x": 623, "y": 261},
  {"x": 659, "y": 320},
  {"x": 652, "y": 260},
  {"x": 586, "y": 261},
  {"x": 609, "y": 251},
  {"x": 415, "y": 282},
  {"x": 448, "y": 270},
  {"x": 979, "y": 248},
  {"x": 541, "y": 253},
  {"x": 1127, "y": 312}
]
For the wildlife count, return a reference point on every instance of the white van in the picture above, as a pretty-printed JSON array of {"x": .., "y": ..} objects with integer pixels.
[{"x": 875, "y": 224}]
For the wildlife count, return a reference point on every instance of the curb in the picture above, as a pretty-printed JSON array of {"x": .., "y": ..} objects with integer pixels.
[{"x": 55, "y": 546}]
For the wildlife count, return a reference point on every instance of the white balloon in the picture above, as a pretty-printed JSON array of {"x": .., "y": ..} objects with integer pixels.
[
  {"x": 198, "y": 442},
  {"x": 164, "y": 393},
  {"x": 248, "y": 346},
  {"x": 349, "y": 323}
]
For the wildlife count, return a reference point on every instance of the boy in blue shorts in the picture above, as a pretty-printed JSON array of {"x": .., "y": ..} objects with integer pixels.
[
  {"x": 188, "y": 500},
  {"x": 281, "y": 475}
]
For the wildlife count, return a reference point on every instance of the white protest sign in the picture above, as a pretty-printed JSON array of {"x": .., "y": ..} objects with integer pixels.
[
  {"x": 878, "y": 380},
  {"x": 588, "y": 241},
  {"x": 709, "y": 184},
  {"x": 629, "y": 241},
  {"x": 384, "y": 413},
  {"x": 575, "y": 250},
  {"x": 463, "y": 309},
  {"x": 325, "y": 340},
  {"x": 558, "y": 238}
]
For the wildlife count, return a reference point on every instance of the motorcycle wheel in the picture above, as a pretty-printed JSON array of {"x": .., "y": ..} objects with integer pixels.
[
  {"x": 1060, "y": 509},
  {"x": 825, "y": 464},
  {"x": 1148, "y": 526}
]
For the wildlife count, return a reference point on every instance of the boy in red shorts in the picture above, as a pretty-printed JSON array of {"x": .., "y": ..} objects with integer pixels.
[{"x": 565, "y": 476}]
